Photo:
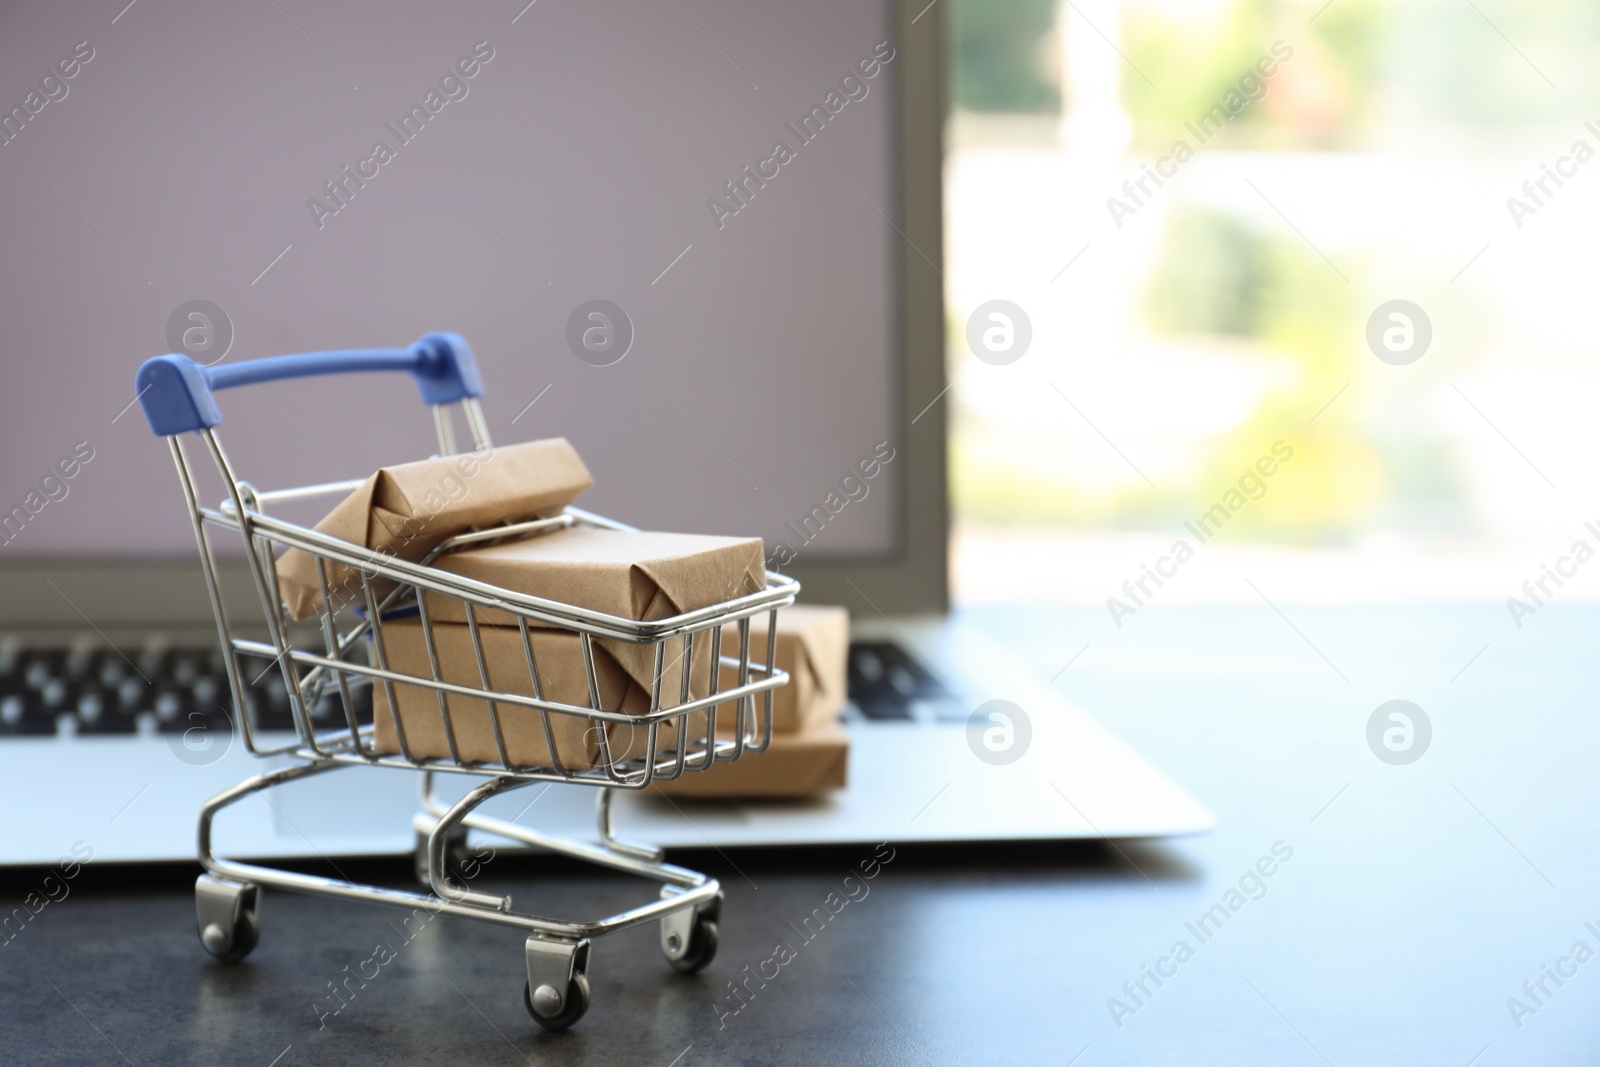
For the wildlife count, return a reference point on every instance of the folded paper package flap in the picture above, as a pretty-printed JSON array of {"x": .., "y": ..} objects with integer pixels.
[
  {"x": 348, "y": 521},
  {"x": 695, "y": 578},
  {"x": 406, "y": 511}
]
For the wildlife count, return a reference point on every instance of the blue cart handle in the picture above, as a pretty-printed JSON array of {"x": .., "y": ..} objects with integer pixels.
[{"x": 176, "y": 392}]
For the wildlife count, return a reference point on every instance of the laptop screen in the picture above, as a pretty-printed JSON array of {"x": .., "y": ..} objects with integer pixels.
[{"x": 664, "y": 229}]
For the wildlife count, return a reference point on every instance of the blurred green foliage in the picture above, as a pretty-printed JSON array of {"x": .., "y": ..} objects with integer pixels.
[
  {"x": 1223, "y": 273},
  {"x": 1325, "y": 91},
  {"x": 999, "y": 48},
  {"x": 1211, "y": 276}
]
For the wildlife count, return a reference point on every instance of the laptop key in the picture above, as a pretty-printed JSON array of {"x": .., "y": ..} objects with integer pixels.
[
  {"x": 902, "y": 681},
  {"x": 865, "y": 665},
  {"x": 884, "y": 708},
  {"x": 209, "y": 692},
  {"x": 169, "y": 708},
  {"x": 133, "y": 694},
  {"x": 91, "y": 706},
  {"x": 37, "y": 673},
  {"x": 112, "y": 671},
  {"x": 272, "y": 704},
  {"x": 886, "y": 684},
  {"x": 100, "y": 712},
  {"x": 57, "y": 696},
  {"x": 22, "y": 715}
]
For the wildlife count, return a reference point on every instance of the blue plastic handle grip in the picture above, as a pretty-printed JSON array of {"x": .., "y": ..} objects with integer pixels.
[{"x": 176, "y": 392}]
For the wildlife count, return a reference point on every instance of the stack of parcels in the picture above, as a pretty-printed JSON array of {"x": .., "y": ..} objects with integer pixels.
[
  {"x": 407, "y": 511},
  {"x": 810, "y": 749}
]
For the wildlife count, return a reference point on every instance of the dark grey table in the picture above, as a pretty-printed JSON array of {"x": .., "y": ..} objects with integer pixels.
[{"x": 1405, "y": 909}]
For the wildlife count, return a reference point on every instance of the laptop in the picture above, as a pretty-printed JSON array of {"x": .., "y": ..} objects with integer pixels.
[{"x": 710, "y": 262}]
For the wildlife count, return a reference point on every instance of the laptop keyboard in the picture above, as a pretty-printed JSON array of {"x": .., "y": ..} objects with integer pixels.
[
  {"x": 94, "y": 690},
  {"x": 887, "y": 685}
]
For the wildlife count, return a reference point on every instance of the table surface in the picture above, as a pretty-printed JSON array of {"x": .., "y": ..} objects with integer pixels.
[{"x": 1414, "y": 903}]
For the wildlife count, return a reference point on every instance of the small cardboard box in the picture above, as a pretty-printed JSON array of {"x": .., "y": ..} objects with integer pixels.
[
  {"x": 642, "y": 576},
  {"x": 813, "y": 647},
  {"x": 561, "y": 676},
  {"x": 802, "y": 764},
  {"x": 407, "y": 510}
]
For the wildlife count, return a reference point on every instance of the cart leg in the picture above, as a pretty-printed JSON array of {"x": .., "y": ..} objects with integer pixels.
[
  {"x": 689, "y": 935},
  {"x": 647, "y": 853},
  {"x": 557, "y": 993},
  {"x": 225, "y": 913},
  {"x": 225, "y": 903},
  {"x": 450, "y": 823},
  {"x": 456, "y": 853}
]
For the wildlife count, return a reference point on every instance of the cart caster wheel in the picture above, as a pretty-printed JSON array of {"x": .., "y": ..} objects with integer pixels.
[
  {"x": 231, "y": 946},
  {"x": 550, "y": 1015},
  {"x": 689, "y": 939},
  {"x": 456, "y": 854},
  {"x": 702, "y": 947},
  {"x": 228, "y": 925}
]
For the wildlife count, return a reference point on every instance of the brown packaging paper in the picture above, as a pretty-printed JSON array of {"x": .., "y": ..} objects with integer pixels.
[
  {"x": 407, "y": 510},
  {"x": 561, "y": 677},
  {"x": 795, "y": 765},
  {"x": 641, "y": 576},
  {"x": 813, "y": 646}
]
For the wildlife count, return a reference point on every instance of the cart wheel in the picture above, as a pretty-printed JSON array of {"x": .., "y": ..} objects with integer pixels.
[
  {"x": 236, "y": 944},
  {"x": 229, "y": 938},
  {"x": 702, "y": 947},
  {"x": 456, "y": 853},
  {"x": 571, "y": 1009}
]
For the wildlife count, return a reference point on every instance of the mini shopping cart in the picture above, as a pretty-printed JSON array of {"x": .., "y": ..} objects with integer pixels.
[{"x": 333, "y": 663}]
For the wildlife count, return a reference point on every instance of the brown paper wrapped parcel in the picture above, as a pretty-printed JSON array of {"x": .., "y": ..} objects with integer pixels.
[
  {"x": 640, "y": 576},
  {"x": 406, "y": 511},
  {"x": 643, "y": 576},
  {"x": 559, "y": 656},
  {"x": 813, "y": 649},
  {"x": 810, "y": 747},
  {"x": 802, "y": 764}
]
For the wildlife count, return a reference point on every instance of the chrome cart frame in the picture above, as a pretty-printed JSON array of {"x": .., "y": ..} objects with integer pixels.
[{"x": 177, "y": 396}]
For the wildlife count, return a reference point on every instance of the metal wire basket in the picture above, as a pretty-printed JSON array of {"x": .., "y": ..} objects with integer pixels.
[{"x": 344, "y": 654}]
